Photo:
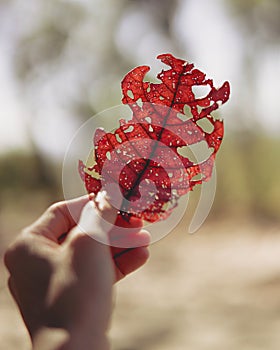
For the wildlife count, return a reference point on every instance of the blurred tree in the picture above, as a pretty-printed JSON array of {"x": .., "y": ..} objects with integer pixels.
[
  {"x": 78, "y": 40},
  {"x": 66, "y": 56},
  {"x": 162, "y": 12},
  {"x": 259, "y": 20},
  {"x": 21, "y": 173}
]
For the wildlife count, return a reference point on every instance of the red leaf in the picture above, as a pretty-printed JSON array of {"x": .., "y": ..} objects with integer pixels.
[{"x": 142, "y": 158}]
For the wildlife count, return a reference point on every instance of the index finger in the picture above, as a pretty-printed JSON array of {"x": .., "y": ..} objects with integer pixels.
[{"x": 59, "y": 218}]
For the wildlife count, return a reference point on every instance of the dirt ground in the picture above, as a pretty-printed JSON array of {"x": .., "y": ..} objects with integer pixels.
[{"x": 217, "y": 289}]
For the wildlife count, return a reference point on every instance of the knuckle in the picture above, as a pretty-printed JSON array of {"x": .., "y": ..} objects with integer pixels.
[
  {"x": 55, "y": 207},
  {"x": 8, "y": 257},
  {"x": 11, "y": 254},
  {"x": 14, "y": 252},
  {"x": 58, "y": 210}
]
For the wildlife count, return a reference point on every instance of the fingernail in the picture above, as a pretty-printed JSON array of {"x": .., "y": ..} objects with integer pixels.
[{"x": 102, "y": 201}]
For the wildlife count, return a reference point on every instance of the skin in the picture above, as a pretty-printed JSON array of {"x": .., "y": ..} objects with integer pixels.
[{"x": 64, "y": 289}]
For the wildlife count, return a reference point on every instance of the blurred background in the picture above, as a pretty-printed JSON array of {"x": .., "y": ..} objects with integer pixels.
[{"x": 62, "y": 62}]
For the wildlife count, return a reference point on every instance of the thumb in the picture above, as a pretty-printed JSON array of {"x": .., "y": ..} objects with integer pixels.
[
  {"x": 88, "y": 242},
  {"x": 97, "y": 219}
]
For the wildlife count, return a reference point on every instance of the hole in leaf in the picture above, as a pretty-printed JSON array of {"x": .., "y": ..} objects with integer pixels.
[
  {"x": 184, "y": 116},
  {"x": 197, "y": 177},
  {"x": 93, "y": 173},
  {"x": 90, "y": 162},
  {"x": 185, "y": 152},
  {"x": 197, "y": 152},
  {"x": 199, "y": 109},
  {"x": 201, "y": 91},
  {"x": 206, "y": 125},
  {"x": 130, "y": 94},
  {"x": 148, "y": 119},
  {"x": 108, "y": 155},
  {"x": 118, "y": 138},
  {"x": 139, "y": 102},
  {"x": 129, "y": 129},
  {"x": 187, "y": 111}
]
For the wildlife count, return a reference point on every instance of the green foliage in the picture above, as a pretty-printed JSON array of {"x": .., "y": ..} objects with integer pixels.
[
  {"x": 22, "y": 173},
  {"x": 248, "y": 176},
  {"x": 248, "y": 173},
  {"x": 260, "y": 18},
  {"x": 245, "y": 7},
  {"x": 80, "y": 37},
  {"x": 46, "y": 42}
]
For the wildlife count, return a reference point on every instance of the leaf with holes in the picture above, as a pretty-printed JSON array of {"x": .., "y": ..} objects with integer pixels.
[{"x": 146, "y": 160}]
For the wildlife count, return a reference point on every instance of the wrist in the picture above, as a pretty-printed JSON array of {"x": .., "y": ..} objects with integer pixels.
[
  {"x": 47, "y": 338},
  {"x": 61, "y": 339}
]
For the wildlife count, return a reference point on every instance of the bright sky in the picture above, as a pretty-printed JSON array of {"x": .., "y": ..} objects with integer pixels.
[
  {"x": 218, "y": 46},
  {"x": 210, "y": 38},
  {"x": 12, "y": 130}
]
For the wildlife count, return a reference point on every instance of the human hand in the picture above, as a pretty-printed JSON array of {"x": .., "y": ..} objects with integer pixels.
[{"x": 64, "y": 291}]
